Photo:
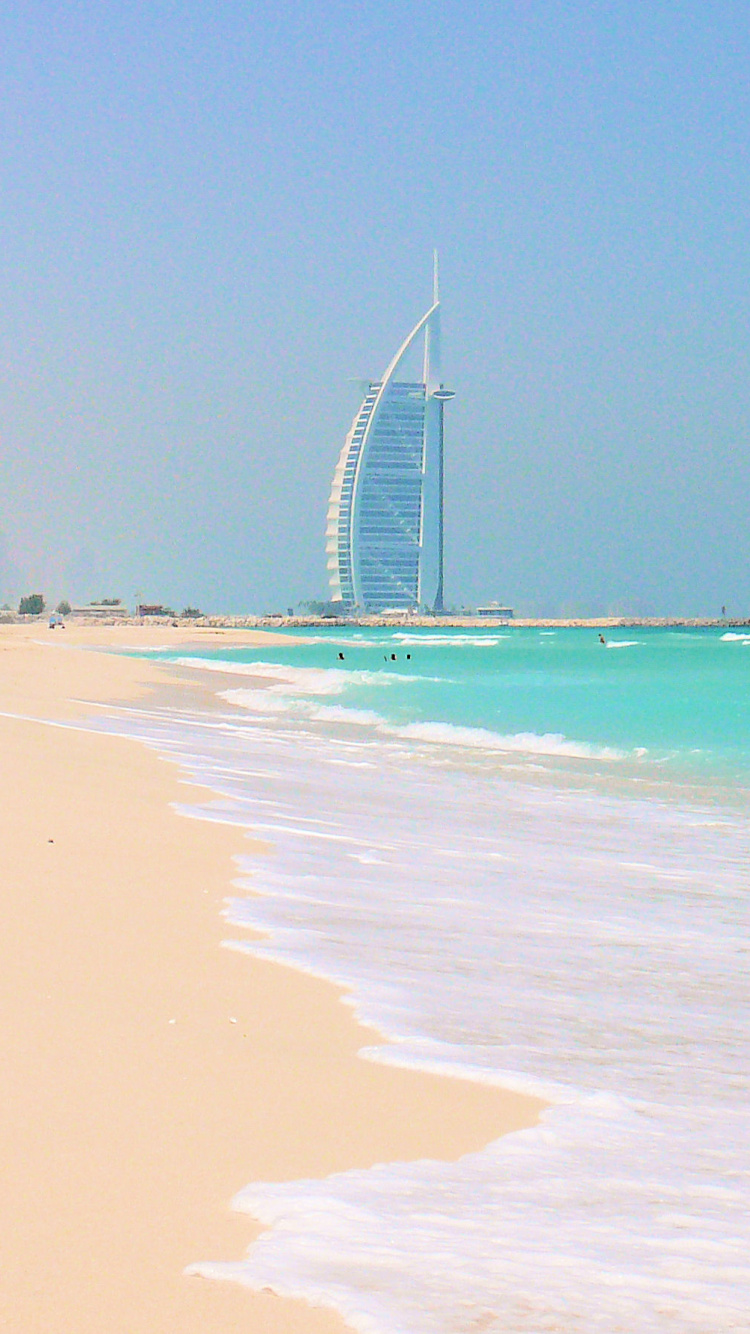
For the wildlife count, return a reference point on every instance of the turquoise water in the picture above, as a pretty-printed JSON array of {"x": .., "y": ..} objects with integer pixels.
[
  {"x": 681, "y": 696},
  {"x": 526, "y": 856}
]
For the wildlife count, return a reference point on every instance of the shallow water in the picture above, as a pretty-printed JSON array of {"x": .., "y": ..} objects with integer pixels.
[{"x": 527, "y": 856}]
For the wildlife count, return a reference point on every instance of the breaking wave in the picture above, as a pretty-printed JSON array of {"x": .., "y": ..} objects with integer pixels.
[{"x": 433, "y": 733}]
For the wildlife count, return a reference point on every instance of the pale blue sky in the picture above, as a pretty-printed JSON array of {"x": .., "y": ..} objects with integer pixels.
[{"x": 214, "y": 215}]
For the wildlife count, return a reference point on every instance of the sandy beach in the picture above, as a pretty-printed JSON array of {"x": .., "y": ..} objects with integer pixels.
[{"x": 150, "y": 1073}]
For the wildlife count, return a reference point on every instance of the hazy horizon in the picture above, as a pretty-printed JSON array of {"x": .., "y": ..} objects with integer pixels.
[{"x": 215, "y": 219}]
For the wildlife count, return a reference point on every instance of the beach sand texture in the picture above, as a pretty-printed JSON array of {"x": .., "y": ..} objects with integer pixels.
[{"x": 148, "y": 1073}]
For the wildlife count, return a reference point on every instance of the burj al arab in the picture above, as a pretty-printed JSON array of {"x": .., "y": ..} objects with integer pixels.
[{"x": 384, "y": 537}]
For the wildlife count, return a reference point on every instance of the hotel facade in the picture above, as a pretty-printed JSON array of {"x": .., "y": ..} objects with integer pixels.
[{"x": 384, "y": 536}]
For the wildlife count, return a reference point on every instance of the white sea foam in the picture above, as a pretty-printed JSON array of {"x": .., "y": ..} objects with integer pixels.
[
  {"x": 350, "y": 641},
  {"x": 451, "y": 641},
  {"x": 622, "y": 643},
  {"x": 283, "y": 680},
  {"x": 338, "y": 713},
  {"x": 579, "y": 945},
  {"x": 480, "y": 738},
  {"x": 257, "y": 701},
  {"x": 433, "y": 734},
  {"x": 731, "y": 637}
]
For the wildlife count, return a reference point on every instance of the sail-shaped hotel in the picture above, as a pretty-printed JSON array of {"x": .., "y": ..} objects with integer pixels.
[{"x": 384, "y": 538}]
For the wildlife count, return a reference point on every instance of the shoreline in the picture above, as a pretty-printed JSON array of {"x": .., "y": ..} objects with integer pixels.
[
  {"x": 128, "y": 1134},
  {"x": 202, "y": 626}
]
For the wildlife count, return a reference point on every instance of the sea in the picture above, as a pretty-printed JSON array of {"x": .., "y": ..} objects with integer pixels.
[{"x": 526, "y": 855}]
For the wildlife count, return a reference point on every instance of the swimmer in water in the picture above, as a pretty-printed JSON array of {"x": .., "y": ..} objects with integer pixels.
[
  {"x": 602, "y": 640},
  {"x": 341, "y": 657}
]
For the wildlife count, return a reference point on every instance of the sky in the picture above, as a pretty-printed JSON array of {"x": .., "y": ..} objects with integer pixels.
[{"x": 215, "y": 218}]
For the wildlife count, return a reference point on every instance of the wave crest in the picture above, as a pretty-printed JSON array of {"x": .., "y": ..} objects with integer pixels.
[
  {"x": 285, "y": 680},
  {"x": 527, "y": 743},
  {"x": 268, "y": 701}
]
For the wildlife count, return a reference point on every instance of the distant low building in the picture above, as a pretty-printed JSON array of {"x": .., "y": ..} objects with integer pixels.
[
  {"x": 494, "y": 609},
  {"x": 99, "y": 609},
  {"x": 152, "y": 609}
]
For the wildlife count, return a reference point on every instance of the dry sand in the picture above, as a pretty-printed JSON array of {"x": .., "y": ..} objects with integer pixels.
[{"x": 124, "y": 1135}]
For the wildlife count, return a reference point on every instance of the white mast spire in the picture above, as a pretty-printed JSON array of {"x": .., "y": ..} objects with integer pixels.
[{"x": 432, "y": 334}]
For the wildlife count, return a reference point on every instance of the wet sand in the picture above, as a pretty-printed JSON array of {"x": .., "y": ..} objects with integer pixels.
[{"x": 134, "y": 1107}]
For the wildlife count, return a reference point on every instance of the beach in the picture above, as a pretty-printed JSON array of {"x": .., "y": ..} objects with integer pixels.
[
  {"x": 150, "y": 1073},
  {"x": 526, "y": 862}
]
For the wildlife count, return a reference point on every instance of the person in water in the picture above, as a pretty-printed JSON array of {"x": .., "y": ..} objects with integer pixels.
[{"x": 602, "y": 640}]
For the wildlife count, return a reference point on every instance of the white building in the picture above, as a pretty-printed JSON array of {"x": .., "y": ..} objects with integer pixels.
[{"x": 384, "y": 538}]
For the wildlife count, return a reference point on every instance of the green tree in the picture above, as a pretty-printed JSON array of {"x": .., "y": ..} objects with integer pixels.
[
  {"x": 31, "y": 605},
  {"x": 63, "y": 608}
]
